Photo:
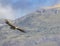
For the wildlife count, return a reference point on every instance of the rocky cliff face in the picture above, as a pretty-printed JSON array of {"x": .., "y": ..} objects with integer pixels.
[{"x": 42, "y": 27}]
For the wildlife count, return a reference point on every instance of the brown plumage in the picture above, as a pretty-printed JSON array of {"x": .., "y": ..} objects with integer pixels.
[{"x": 13, "y": 27}]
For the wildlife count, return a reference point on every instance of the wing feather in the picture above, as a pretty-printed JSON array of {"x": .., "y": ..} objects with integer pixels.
[{"x": 20, "y": 30}]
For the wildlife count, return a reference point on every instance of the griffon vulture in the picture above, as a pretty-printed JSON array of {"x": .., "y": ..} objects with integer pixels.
[{"x": 13, "y": 27}]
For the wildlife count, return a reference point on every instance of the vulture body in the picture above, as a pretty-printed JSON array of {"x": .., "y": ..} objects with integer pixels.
[{"x": 13, "y": 27}]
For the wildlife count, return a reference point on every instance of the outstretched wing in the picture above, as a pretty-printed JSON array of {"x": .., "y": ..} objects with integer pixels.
[
  {"x": 21, "y": 30},
  {"x": 7, "y": 22},
  {"x": 12, "y": 26}
]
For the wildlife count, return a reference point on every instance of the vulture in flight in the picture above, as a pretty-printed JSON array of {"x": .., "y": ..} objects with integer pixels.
[{"x": 13, "y": 27}]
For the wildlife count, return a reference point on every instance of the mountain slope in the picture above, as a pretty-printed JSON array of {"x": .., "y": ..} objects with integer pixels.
[
  {"x": 42, "y": 27},
  {"x": 41, "y": 21}
]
